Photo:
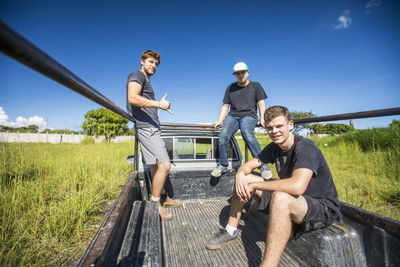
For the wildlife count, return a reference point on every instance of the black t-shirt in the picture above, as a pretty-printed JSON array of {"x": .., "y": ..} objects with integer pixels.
[
  {"x": 304, "y": 154},
  {"x": 144, "y": 117},
  {"x": 243, "y": 100}
]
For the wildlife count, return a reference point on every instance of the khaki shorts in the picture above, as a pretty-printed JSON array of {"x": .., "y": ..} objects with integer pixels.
[{"x": 152, "y": 146}]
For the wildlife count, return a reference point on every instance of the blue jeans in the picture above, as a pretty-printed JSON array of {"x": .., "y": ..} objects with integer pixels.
[{"x": 230, "y": 125}]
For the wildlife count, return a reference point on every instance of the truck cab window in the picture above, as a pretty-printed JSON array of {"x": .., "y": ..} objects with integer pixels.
[
  {"x": 203, "y": 148},
  {"x": 183, "y": 148}
]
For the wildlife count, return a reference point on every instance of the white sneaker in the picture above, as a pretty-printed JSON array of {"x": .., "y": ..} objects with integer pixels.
[
  {"x": 217, "y": 172},
  {"x": 266, "y": 173}
]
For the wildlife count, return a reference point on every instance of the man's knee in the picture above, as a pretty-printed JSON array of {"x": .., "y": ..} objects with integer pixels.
[
  {"x": 280, "y": 200},
  {"x": 247, "y": 134},
  {"x": 165, "y": 166},
  {"x": 223, "y": 137}
]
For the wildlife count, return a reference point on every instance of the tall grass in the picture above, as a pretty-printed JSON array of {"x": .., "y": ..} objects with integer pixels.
[
  {"x": 52, "y": 198},
  {"x": 384, "y": 141},
  {"x": 365, "y": 166}
]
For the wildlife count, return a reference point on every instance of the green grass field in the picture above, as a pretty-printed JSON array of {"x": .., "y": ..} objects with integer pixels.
[{"x": 53, "y": 197}]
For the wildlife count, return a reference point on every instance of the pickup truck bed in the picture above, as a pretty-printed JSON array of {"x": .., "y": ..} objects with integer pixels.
[
  {"x": 132, "y": 233},
  {"x": 195, "y": 222}
]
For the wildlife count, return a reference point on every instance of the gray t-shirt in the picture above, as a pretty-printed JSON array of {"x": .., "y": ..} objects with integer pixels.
[
  {"x": 144, "y": 117},
  {"x": 243, "y": 100}
]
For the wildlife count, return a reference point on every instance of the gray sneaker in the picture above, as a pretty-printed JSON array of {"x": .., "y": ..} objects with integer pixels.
[
  {"x": 266, "y": 173},
  {"x": 217, "y": 172},
  {"x": 220, "y": 239}
]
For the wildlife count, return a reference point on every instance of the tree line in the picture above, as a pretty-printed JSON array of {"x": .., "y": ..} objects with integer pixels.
[{"x": 35, "y": 129}]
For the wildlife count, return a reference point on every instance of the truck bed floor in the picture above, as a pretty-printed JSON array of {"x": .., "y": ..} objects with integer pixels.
[{"x": 184, "y": 237}]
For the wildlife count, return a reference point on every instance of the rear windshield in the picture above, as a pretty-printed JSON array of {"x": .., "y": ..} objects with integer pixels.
[{"x": 199, "y": 148}]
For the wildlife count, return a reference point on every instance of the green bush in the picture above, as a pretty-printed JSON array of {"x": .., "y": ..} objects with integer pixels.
[
  {"x": 104, "y": 122},
  {"x": 395, "y": 124},
  {"x": 318, "y": 128},
  {"x": 374, "y": 139},
  {"x": 331, "y": 128}
]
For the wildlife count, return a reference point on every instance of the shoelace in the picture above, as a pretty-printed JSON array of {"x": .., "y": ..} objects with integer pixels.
[{"x": 220, "y": 233}]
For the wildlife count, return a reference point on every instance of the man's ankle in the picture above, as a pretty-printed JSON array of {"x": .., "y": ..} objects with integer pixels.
[{"x": 231, "y": 230}]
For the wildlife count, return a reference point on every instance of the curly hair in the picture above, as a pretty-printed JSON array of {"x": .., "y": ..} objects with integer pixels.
[
  {"x": 151, "y": 53},
  {"x": 276, "y": 111}
]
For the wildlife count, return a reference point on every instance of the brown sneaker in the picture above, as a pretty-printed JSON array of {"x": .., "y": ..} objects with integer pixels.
[
  {"x": 171, "y": 203},
  {"x": 164, "y": 214}
]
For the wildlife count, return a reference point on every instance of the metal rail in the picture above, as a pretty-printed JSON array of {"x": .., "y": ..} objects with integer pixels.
[
  {"x": 17, "y": 47},
  {"x": 201, "y": 125},
  {"x": 354, "y": 115}
]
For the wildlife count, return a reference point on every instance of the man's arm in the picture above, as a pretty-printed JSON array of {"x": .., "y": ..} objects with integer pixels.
[
  {"x": 261, "y": 109},
  {"x": 134, "y": 98},
  {"x": 296, "y": 185},
  {"x": 244, "y": 177},
  {"x": 222, "y": 114}
]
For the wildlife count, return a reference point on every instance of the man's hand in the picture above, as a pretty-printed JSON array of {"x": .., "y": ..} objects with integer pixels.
[
  {"x": 164, "y": 104},
  {"x": 250, "y": 190},
  {"x": 217, "y": 125},
  {"x": 262, "y": 122},
  {"x": 243, "y": 189}
]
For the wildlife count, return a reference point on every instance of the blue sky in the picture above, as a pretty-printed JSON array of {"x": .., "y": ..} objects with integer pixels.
[{"x": 325, "y": 56}]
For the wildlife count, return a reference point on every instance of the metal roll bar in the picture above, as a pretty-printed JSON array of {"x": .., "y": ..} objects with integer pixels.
[
  {"x": 354, "y": 115},
  {"x": 17, "y": 47}
]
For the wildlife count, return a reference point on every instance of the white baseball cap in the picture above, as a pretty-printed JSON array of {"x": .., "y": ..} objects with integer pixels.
[{"x": 239, "y": 67}]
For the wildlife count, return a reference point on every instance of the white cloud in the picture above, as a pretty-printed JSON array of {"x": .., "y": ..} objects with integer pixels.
[
  {"x": 373, "y": 3},
  {"x": 344, "y": 21},
  {"x": 3, "y": 116},
  {"x": 21, "y": 121}
]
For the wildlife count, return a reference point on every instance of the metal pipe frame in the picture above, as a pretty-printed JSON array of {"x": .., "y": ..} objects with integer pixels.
[{"x": 353, "y": 115}]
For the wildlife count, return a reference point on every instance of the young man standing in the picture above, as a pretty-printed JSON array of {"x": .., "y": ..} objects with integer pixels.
[
  {"x": 141, "y": 104},
  {"x": 243, "y": 97},
  {"x": 304, "y": 199}
]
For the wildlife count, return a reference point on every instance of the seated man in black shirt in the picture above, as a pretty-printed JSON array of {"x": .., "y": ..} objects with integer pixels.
[
  {"x": 243, "y": 97},
  {"x": 304, "y": 199}
]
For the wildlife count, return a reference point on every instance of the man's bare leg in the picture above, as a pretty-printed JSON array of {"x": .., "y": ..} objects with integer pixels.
[
  {"x": 168, "y": 202},
  {"x": 237, "y": 205},
  {"x": 284, "y": 210},
  {"x": 159, "y": 173},
  {"x": 235, "y": 211},
  {"x": 228, "y": 235}
]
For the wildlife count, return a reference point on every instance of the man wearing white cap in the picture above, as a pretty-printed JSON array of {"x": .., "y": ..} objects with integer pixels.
[{"x": 243, "y": 97}]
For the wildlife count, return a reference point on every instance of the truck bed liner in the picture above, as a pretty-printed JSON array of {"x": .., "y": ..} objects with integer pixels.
[{"x": 195, "y": 222}]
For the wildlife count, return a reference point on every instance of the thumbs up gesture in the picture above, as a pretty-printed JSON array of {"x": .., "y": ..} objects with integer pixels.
[{"x": 164, "y": 104}]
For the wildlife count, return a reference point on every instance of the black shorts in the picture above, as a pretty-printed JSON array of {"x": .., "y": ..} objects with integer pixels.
[{"x": 318, "y": 215}]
